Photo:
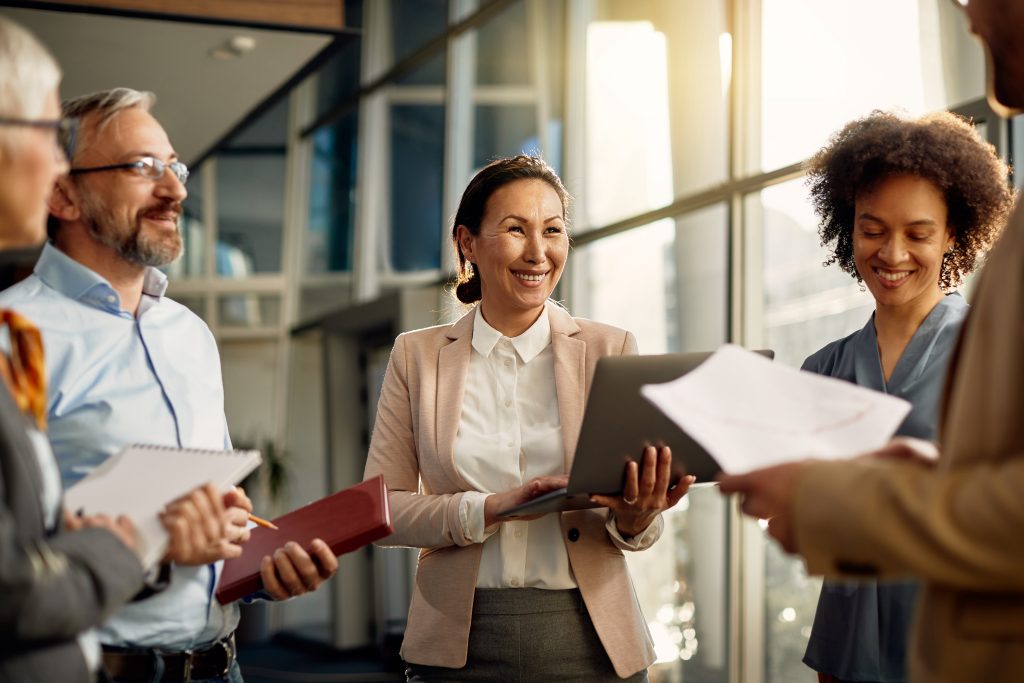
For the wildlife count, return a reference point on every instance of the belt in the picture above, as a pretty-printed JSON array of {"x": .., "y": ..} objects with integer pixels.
[{"x": 131, "y": 665}]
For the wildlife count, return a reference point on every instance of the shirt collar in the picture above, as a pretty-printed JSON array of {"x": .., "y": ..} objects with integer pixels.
[
  {"x": 528, "y": 345},
  {"x": 76, "y": 281}
]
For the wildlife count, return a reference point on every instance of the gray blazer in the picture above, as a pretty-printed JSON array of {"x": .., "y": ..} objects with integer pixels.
[{"x": 52, "y": 585}]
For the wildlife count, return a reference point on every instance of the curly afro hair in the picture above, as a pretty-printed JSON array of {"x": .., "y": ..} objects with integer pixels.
[{"x": 942, "y": 148}]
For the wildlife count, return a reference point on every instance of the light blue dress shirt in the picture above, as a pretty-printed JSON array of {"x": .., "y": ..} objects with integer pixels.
[
  {"x": 861, "y": 630},
  {"x": 115, "y": 379}
]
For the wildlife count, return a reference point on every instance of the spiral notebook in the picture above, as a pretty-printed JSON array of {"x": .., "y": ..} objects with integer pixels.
[
  {"x": 345, "y": 521},
  {"x": 140, "y": 480}
]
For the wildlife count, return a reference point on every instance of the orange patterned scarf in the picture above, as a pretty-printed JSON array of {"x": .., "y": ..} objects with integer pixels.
[{"x": 27, "y": 376}]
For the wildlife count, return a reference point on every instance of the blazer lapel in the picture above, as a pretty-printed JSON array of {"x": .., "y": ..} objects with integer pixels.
[
  {"x": 570, "y": 376},
  {"x": 452, "y": 368}
]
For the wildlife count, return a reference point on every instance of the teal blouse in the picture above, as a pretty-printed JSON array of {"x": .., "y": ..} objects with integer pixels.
[{"x": 861, "y": 629}]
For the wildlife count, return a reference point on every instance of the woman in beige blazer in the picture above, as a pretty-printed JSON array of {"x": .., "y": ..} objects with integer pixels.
[{"x": 483, "y": 414}]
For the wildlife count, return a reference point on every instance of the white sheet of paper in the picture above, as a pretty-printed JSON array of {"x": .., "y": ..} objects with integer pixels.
[
  {"x": 749, "y": 412},
  {"x": 139, "y": 481}
]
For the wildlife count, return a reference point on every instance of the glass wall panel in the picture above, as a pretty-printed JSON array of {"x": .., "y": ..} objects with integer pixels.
[
  {"x": 193, "y": 231},
  {"x": 805, "y": 306},
  {"x": 682, "y": 586},
  {"x": 629, "y": 280},
  {"x": 702, "y": 255},
  {"x": 250, "y": 196},
  {"x": 317, "y": 300},
  {"x": 790, "y": 600},
  {"x": 820, "y": 67},
  {"x": 338, "y": 79},
  {"x": 676, "y": 291},
  {"x": 249, "y": 310},
  {"x": 332, "y": 190},
  {"x": 500, "y": 57},
  {"x": 682, "y": 581},
  {"x": 502, "y": 131},
  {"x": 414, "y": 23},
  {"x": 628, "y": 146},
  {"x": 658, "y": 76},
  {"x": 520, "y": 75},
  {"x": 417, "y": 177}
]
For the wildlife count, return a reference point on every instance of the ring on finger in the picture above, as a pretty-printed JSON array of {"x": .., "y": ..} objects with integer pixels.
[{"x": 629, "y": 501}]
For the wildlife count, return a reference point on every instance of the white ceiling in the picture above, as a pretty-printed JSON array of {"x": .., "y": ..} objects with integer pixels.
[{"x": 199, "y": 98}]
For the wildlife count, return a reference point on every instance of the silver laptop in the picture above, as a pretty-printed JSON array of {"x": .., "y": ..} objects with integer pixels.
[{"x": 617, "y": 424}]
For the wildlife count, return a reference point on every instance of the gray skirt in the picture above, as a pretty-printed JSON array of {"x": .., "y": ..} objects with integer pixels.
[{"x": 528, "y": 634}]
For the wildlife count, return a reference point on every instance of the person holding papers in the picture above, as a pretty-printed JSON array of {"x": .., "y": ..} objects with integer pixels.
[
  {"x": 907, "y": 208},
  {"x": 483, "y": 414},
  {"x": 128, "y": 365},
  {"x": 955, "y": 523},
  {"x": 59, "y": 575}
]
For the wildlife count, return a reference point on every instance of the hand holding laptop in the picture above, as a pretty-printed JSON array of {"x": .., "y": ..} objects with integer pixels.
[
  {"x": 647, "y": 492},
  {"x": 536, "y": 487}
]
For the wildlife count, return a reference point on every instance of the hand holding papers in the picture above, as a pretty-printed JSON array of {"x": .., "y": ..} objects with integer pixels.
[{"x": 749, "y": 413}]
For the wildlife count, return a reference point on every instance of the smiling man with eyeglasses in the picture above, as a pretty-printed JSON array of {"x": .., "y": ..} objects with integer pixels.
[
  {"x": 126, "y": 364},
  {"x": 118, "y": 188}
]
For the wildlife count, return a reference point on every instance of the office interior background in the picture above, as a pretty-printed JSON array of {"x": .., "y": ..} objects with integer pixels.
[{"x": 330, "y": 141}]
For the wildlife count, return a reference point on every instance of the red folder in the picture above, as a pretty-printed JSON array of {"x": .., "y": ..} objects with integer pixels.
[{"x": 346, "y": 521}]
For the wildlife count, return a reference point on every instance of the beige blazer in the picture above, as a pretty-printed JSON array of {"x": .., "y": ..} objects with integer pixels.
[
  {"x": 960, "y": 525},
  {"x": 413, "y": 447}
]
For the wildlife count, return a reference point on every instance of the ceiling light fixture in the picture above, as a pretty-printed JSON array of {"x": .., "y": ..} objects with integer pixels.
[{"x": 233, "y": 48}]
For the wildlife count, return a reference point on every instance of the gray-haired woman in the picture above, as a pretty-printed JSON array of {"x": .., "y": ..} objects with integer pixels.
[{"x": 58, "y": 577}]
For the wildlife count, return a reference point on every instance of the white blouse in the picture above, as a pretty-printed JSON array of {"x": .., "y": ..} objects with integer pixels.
[{"x": 509, "y": 433}]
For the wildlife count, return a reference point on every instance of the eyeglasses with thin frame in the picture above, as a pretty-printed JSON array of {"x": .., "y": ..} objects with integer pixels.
[
  {"x": 65, "y": 130},
  {"x": 147, "y": 167}
]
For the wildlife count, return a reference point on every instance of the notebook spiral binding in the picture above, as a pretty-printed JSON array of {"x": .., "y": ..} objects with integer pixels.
[{"x": 208, "y": 451}]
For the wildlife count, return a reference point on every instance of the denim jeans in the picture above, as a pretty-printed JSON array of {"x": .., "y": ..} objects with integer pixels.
[{"x": 234, "y": 676}]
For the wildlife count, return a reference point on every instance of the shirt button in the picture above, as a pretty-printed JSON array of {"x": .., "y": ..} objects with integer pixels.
[
  {"x": 511, "y": 444},
  {"x": 574, "y": 534},
  {"x": 111, "y": 298},
  {"x": 515, "y": 583},
  {"x": 508, "y": 404},
  {"x": 508, "y": 363},
  {"x": 518, "y": 533}
]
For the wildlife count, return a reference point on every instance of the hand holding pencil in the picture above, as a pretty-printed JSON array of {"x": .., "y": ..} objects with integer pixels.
[{"x": 237, "y": 508}]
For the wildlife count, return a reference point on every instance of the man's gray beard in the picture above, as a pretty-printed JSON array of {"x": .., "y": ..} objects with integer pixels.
[{"x": 134, "y": 248}]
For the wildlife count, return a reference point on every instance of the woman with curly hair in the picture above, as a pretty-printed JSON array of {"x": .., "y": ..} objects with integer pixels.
[{"x": 907, "y": 207}]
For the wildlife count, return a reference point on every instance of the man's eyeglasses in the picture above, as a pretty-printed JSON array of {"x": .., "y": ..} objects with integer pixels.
[
  {"x": 147, "y": 167},
  {"x": 65, "y": 130}
]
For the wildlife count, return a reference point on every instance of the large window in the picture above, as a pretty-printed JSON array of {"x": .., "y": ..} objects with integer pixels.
[
  {"x": 813, "y": 79},
  {"x": 697, "y": 117},
  {"x": 680, "y": 129}
]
